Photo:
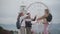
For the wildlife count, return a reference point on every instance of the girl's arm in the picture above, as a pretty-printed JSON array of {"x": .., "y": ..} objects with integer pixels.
[
  {"x": 43, "y": 17},
  {"x": 19, "y": 15},
  {"x": 34, "y": 18}
]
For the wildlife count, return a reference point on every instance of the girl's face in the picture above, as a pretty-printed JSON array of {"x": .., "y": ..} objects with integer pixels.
[
  {"x": 28, "y": 14},
  {"x": 46, "y": 11},
  {"x": 22, "y": 14}
]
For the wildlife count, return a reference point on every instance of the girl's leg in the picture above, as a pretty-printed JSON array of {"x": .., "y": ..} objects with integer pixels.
[
  {"x": 45, "y": 29},
  {"x": 28, "y": 30},
  {"x": 45, "y": 26},
  {"x": 22, "y": 30}
]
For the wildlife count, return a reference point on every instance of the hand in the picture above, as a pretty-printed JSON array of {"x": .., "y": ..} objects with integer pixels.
[{"x": 38, "y": 19}]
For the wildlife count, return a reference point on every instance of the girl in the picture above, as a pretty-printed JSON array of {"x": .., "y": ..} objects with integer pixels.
[
  {"x": 28, "y": 23},
  {"x": 46, "y": 18}
]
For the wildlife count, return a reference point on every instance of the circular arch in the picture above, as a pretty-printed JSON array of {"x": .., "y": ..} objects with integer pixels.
[
  {"x": 36, "y": 3},
  {"x": 32, "y": 11}
]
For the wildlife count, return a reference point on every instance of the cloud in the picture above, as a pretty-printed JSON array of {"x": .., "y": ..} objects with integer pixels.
[
  {"x": 7, "y": 20},
  {"x": 10, "y": 8}
]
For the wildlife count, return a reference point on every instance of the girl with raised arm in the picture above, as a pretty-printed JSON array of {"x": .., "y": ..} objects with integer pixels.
[{"x": 46, "y": 18}]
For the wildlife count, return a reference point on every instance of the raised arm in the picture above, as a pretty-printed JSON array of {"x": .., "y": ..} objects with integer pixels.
[
  {"x": 34, "y": 18},
  {"x": 44, "y": 16},
  {"x": 19, "y": 15},
  {"x": 41, "y": 18}
]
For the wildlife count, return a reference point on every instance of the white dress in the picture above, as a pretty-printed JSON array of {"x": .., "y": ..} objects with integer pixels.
[
  {"x": 22, "y": 29},
  {"x": 39, "y": 27},
  {"x": 23, "y": 22}
]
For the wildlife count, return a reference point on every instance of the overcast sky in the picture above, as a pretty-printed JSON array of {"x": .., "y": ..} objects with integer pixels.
[{"x": 9, "y": 9}]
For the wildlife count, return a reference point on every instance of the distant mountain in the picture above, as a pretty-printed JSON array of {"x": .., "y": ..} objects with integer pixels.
[
  {"x": 53, "y": 28},
  {"x": 9, "y": 26},
  {"x": 3, "y": 31}
]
